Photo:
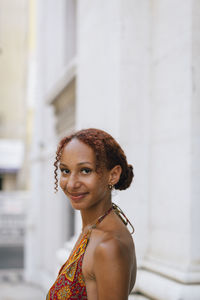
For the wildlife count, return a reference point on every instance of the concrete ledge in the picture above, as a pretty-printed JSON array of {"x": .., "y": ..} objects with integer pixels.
[
  {"x": 187, "y": 276},
  {"x": 159, "y": 287}
]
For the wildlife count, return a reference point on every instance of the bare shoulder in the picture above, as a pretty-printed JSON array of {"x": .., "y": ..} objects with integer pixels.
[
  {"x": 112, "y": 245},
  {"x": 114, "y": 265},
  {"x": 115, "y": 247}
]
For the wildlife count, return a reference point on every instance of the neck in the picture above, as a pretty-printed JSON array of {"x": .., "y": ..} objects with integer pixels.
[{"x": 91, "y": 215}]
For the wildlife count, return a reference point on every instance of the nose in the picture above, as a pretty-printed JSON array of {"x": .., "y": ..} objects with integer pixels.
[{"x": 72, "y": 183}]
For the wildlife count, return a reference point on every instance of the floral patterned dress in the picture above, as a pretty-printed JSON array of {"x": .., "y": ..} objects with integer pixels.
[{"x": 70, "y": 282}]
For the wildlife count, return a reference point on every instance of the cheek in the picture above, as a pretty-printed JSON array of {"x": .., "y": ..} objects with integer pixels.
[
  {"x": 101, "y": 186},
  {"x": 92, "y": 183}
]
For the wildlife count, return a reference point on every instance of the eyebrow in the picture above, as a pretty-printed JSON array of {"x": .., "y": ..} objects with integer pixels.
[{"x": 81, "y": 163}]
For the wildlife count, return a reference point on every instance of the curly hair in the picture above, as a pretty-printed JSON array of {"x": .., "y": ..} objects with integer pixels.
[{"x": 107, "y": 151}]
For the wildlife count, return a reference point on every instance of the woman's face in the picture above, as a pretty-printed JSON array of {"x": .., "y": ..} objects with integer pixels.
[{"x": 79, "y": 179}]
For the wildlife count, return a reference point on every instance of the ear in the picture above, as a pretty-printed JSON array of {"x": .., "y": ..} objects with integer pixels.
[{"x": 115, "y": 174}]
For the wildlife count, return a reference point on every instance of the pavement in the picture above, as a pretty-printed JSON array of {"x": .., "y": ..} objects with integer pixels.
[
  {"x": 13, "y": 287},
  {"x": 20, "y": 291}
]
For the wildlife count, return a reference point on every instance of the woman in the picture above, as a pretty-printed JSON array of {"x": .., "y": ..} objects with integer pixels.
[{"x": 102, "y": 264}]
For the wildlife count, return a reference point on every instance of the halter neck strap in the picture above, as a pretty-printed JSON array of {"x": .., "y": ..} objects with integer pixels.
[
  {"x": 120, "y": 214},
  {"x": 100, "y": 219}
]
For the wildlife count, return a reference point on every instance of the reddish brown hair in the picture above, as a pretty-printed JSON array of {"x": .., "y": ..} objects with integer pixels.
[{"x": 107, "y": 151}]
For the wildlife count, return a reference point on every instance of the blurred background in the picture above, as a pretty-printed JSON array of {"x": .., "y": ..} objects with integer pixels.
[{"x": 131, "y": 68}]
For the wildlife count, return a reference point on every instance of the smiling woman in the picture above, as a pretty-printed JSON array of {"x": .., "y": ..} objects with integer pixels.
[{"x": 102, "y": 264}]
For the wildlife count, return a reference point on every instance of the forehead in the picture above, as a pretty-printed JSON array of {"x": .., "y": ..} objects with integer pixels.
[{"x": 77, "y": 151}]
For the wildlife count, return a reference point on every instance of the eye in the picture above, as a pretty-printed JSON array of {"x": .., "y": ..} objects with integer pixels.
[
  {"x": 86, "y": 171},
  {"x": 64, "y": 171}
]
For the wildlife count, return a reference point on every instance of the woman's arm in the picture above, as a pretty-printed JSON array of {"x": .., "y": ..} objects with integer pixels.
[{"x": 113, "y": 265}]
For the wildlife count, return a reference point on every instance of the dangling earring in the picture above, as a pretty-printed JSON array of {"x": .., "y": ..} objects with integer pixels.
[{"x": 110, "y": 186}]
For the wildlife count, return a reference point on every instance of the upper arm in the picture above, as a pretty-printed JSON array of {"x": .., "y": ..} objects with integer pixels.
[{"x": 112, "y": 268}]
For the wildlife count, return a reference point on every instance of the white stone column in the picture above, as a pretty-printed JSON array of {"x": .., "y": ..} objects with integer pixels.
[
  {"x": 171, "y": 267},
  {"x": 195, "y": 141}
]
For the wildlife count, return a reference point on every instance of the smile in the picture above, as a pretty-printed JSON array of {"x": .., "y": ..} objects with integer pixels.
[{"x": 77, "y": 196}]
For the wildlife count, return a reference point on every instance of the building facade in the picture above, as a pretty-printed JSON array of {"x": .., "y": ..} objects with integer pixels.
[
  {"x": 13, "y": 134},
  {"x": 13, "y": 57},
  {"x": 131, "y": 68}
]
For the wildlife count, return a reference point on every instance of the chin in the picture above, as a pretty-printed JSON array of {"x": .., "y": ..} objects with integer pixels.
[{"x": 77, "y": 205}]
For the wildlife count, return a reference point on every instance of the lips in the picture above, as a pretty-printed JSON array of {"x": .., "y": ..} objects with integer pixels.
[{"x": 77, "y": 196}]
